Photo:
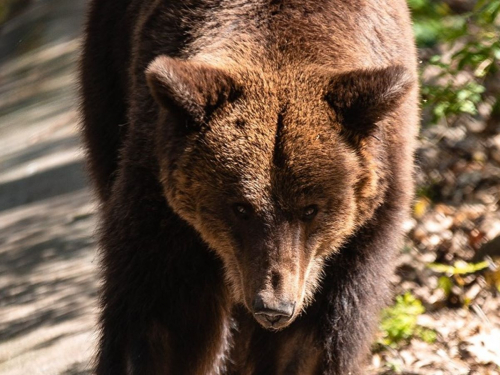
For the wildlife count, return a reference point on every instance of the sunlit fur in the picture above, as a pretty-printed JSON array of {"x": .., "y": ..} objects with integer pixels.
[{"x": 277, "y": 161}]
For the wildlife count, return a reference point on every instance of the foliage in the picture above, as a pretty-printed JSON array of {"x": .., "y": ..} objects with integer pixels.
[
  {"x": 459, "y": 267},
  {"x": 452, "y": 277},
  {"x": 468, "y": 53},
  {"x": 399, "y": 322},
  {"x": 433, "y": 22}
]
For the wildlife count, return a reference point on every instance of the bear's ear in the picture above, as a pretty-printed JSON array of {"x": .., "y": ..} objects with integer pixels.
[
  {"x": 361, "y": 98},
  {"x": 194, "y": 88}
]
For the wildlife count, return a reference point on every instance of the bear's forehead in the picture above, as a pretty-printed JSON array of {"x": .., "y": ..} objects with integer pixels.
[
  {"x": 279, "y": 136},
  {"x": 281, "y": 159},
  {"x": 285, "y": 83},
  {"x": 277, "y": 143}
]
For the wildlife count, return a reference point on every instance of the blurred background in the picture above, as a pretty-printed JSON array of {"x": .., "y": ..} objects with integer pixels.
[{"x": 445, "y": 317}]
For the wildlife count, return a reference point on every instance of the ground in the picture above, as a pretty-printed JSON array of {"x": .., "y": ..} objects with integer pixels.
[
  {"x": 48, "y": 270},
  {"x": 48, "y": 257}
]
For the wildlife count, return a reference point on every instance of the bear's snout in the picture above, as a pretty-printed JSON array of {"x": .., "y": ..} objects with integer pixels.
[{"x": 273, "y": 313}]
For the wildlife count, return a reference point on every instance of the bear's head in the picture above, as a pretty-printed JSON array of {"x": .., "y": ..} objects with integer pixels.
[{"x": 275, "y": 171}]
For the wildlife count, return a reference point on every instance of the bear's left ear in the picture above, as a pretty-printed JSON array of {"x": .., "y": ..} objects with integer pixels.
[
  {"x": 194, "y": 88},
  {"x": 361, "y": 98}
]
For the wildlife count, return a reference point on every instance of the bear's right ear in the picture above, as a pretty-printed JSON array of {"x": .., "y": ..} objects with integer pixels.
[{"x": 194, "y": 88}]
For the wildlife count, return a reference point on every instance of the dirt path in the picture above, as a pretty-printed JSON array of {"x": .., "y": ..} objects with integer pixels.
[{"x": 48, "y": 273}]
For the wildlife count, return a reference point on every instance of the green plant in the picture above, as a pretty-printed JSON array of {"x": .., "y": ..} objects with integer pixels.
[
  {"x": 452, "y": 277},
  {"x": 459, "y": 267},
  {"x": 399, "y": 322},
  {"x": 471, "y": 43},
  {"x": 433, "y": 22}
]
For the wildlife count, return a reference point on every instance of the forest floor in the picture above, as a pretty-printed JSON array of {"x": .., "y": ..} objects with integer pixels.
[
  {"x": 452, "y": 256},
  {"x": 49, "y": 272}
]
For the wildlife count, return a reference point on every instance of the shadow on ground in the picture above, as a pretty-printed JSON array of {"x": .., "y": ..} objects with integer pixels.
[
  {"x": 48, "y": 283},
  {"x": 62, "y": 179},
  {"x": 48, "y": 273}
]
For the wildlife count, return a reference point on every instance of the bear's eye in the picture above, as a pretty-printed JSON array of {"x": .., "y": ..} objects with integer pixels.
[
  {"x": 309, "y": 212},
  {"x": 242, "y": 210}
]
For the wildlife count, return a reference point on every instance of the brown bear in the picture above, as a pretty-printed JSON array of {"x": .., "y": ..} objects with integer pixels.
[{"x": 253, "y": 160}]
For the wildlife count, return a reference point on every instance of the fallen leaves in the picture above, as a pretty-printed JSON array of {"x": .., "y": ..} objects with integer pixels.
[{"x": 451, "y": 259}]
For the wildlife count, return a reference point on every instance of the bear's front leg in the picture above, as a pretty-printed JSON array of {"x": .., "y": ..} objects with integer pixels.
[
  {"x": 165, "y": 307},
  {"x": 354, "y": 291},
  {"x": 150, "y": 347}
]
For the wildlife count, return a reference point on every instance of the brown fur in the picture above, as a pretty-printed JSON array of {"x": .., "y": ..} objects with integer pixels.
[{"x": 266, "y": 154}]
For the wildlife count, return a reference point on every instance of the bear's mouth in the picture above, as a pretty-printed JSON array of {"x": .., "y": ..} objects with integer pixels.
[
  {"x": 273, "y": 314},
  {"x": 273, "y": 320}
]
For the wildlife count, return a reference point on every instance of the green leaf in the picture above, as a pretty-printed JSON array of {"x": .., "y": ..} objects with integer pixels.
[
  {"x": 468, "y": 107},
  {"x": 446, "y": 284},
  {"x": 459, "y": 267},
  {"x": 427, "y": 335},
  {"x": 399, "y": 322}
]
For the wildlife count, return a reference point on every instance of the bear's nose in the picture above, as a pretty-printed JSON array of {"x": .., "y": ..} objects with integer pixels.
[{"x": 273, "y": 312}]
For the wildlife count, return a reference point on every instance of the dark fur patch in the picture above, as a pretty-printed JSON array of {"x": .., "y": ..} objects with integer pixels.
[
  {"x": 362, "y": 98},
  {"x": 194, "y": 88}
]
